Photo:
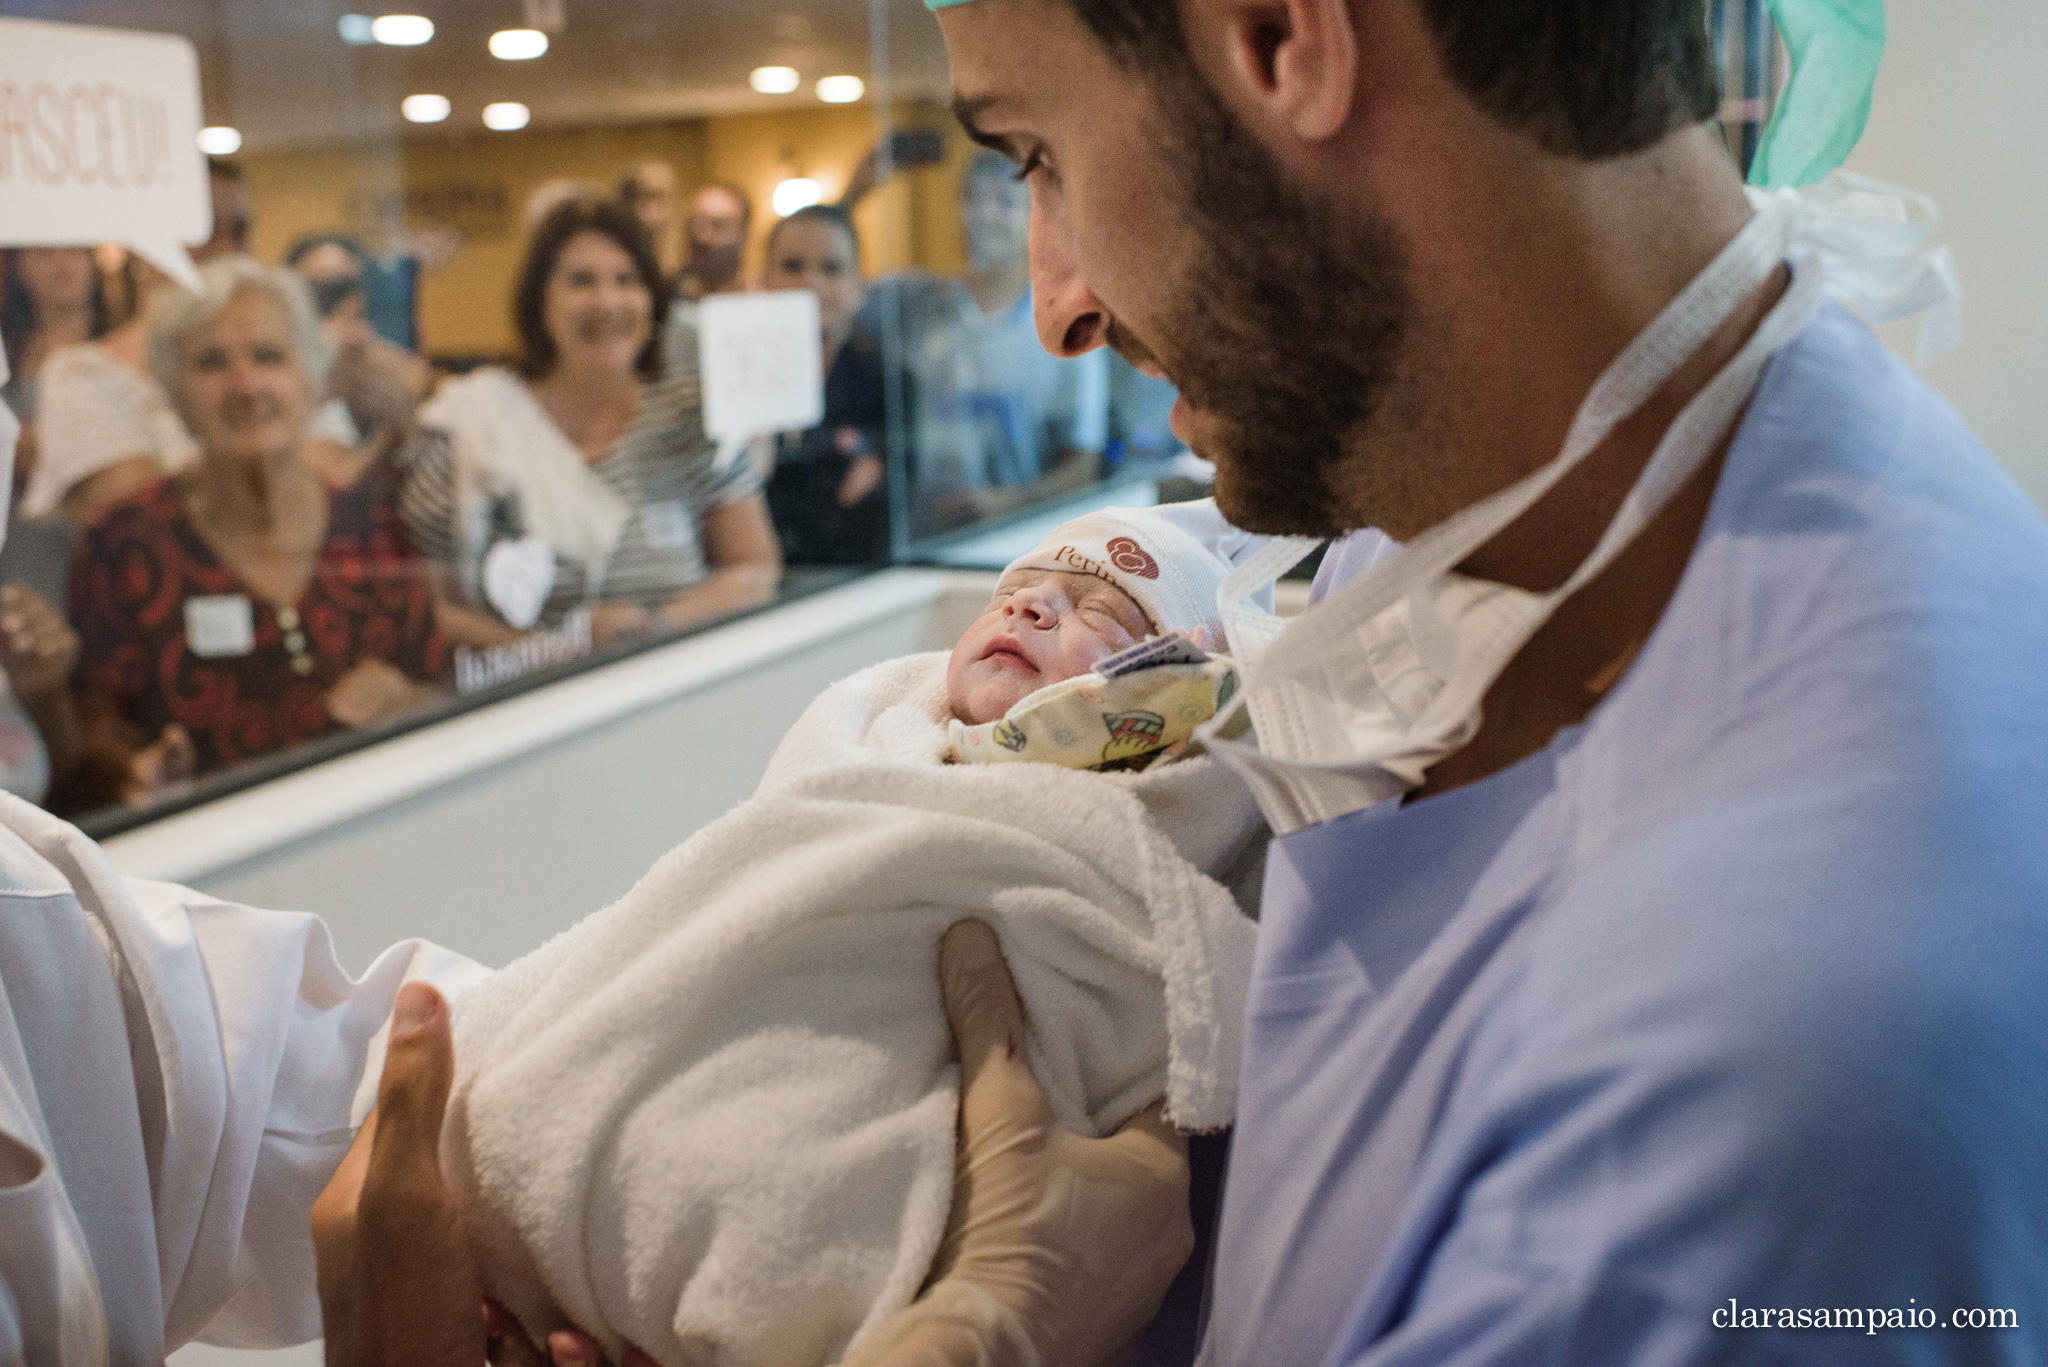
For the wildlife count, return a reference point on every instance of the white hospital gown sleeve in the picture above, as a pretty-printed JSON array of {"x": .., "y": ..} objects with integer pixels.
[{"x": 215, "y": 1061}]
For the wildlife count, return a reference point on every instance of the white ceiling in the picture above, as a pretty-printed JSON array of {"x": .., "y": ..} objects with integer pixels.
[{"x": 278, "y": 70}]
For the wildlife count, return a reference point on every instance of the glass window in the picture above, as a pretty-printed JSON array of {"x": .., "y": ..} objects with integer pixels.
[{"x": 435, "y": 428}]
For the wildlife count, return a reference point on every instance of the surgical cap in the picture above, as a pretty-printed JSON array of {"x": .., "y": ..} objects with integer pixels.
[{"x": 1835, "y": 47}]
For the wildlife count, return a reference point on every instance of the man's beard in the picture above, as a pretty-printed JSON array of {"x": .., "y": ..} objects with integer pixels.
[
  {"x": 716, "y": 267},
  {"x": 1291, "y": 330}
]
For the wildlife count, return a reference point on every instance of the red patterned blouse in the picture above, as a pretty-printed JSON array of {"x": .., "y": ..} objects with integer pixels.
[{"x": 170, "y": 634}]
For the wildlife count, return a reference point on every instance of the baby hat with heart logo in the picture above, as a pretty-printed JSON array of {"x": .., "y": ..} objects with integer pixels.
[{"x": 1170, "y": 559}]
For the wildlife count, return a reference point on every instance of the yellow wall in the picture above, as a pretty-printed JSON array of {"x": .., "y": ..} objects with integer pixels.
[{"x": 469, "y": 191}]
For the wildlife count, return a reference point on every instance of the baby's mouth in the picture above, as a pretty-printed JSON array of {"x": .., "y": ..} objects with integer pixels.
[{"x": 1008, "y": 647}]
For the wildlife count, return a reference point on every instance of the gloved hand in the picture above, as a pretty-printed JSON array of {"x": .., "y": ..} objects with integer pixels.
[{"x": 1060, "y": 1249}]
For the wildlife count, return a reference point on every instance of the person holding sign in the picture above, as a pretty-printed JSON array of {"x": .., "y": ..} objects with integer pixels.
[
  {"x": 584, "y": 476},
  {"x": 241, "y": 606},
  {"x": 827, "y": 493}
]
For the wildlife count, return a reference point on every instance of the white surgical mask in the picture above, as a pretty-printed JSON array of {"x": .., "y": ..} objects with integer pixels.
[{"x": 1355, "y": 700}]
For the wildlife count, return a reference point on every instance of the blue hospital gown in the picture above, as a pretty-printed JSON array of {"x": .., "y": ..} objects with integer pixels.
[{"x": 1736, "y": 991}]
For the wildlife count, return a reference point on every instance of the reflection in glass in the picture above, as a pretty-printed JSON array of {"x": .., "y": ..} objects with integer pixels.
[
  {"x": 243, "y": 604},
  {"x": 828, "y": 494},
  {"x": 505, "y": 456},
  {"x": 581, "y": 476}
]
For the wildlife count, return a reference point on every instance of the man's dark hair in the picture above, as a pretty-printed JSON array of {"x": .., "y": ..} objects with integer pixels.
[
  {"x": 1585, "y": 78},
  {"x": 537, "y": 355},
  {"x": 818, "y": 213}
]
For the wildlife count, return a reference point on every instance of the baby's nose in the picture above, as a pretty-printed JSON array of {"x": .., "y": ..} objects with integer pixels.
[{"x": 1031, "y": 603}]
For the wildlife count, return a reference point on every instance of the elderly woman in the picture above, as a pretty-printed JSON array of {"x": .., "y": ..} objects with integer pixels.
[
  {"x": 583, "y": 478},
  {"x": 242, "y": 605}
]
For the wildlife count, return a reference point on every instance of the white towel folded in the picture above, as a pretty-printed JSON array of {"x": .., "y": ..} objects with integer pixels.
[{"x": 716, "y": 1119}]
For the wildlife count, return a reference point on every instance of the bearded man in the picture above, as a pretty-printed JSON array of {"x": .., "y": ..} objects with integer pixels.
[{"x": 1655, "y": 929}]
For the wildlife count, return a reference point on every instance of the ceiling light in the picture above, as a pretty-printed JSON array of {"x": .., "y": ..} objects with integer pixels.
[
  {"x": 774, "y": 80},
  {"x": 356, "y": 29},
  {"x": 841, "y": 89},
  {"x": 424, "y": 108},
  {"x": 401, "y": 30},
  {"x": 220, "y": 141},
  {"x": 798, "y": 192},
  {"x": 518, "y": 44},
  {"x": 506, "y": 116}
]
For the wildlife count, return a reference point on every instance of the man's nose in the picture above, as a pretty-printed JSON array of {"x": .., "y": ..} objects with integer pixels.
[{"x": 1071, "y": 320}]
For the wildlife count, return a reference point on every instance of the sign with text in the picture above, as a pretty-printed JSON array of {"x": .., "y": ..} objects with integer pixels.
[
  {"x": 98, "y": 141},
  {"x": 759, "y": 358}
]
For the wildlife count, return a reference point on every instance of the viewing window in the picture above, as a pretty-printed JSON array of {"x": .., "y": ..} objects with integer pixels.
[{"x": 437, "y": 426}]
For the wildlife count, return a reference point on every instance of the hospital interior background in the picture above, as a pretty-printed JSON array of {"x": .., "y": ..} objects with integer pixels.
[{"x": 419, "y": 157}]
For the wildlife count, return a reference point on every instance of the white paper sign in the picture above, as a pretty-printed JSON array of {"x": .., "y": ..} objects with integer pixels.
[
  {"x": 758, "y": 356},
  {"x": 98, "y": 142}
]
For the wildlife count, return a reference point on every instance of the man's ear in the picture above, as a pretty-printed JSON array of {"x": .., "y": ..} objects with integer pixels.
[{"x": 1293, "y": 61}]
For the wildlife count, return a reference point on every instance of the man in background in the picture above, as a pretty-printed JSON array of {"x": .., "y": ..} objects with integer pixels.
[
  {"x": 374, "y": 385},
  {"x": 1036, "y": 415},
  {"x": 719, "y": 218},
  {"x": 231, "y": 216},
  {"x": 648, "y": 187}
]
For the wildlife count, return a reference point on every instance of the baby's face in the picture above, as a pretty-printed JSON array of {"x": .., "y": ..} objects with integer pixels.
[{"x": 1042, "y": 626}]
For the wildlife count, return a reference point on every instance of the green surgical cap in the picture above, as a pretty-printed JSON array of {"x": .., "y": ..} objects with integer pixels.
[
  {"x": 1835, "y": 47},
  {"x": 941, "y": 4}
]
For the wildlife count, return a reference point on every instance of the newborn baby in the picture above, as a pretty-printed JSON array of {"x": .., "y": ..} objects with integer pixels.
[{"x": 715, "y": 1121}]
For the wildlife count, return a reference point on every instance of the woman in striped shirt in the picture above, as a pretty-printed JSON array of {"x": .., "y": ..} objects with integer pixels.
[{"x": 584, "y": 478}]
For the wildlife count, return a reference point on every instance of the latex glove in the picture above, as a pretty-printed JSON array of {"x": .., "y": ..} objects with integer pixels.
[
  {"x": 397, "y": 1282},
  {"x": 1059, "y": 1249}
]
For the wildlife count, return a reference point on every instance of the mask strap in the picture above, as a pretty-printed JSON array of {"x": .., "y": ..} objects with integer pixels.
[
  {"x": 1250, "y": 630},
  {"x": 1676, "y": 334}
]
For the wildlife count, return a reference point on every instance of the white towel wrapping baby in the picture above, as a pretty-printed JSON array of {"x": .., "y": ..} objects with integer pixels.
[{"x": 716, "y": 1119}]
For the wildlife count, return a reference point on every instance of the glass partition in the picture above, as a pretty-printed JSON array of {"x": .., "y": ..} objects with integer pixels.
[{"x": 438, "y": 430}]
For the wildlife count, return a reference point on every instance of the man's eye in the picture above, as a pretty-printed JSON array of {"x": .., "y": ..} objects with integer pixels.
[{"x": 1031, "y": 163}]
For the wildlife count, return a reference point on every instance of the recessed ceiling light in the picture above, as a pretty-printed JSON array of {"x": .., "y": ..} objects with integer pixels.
[
  {"x": 401, "y": 30},
  {"x": 506, "y": 116},
  {"x": 774, "y": 80},
  {"x": 356, "y": 29},
  {"x": 220, "y": 141},
  {"x": 424, "y": 108},
  {"x": 518, "y": 44},
  {"x": 798, "y": 192},
  {"x": 841, "y": 89}
]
